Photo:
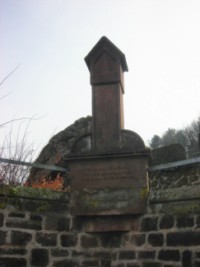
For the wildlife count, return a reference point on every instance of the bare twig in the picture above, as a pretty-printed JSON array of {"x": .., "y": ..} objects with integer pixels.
[
  {"x": 19, "y": 119},
  {"x": 9, "y": 74}
]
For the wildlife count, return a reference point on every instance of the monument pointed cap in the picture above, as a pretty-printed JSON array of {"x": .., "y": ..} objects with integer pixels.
[
  {"x": 104, "y": 44},
  {"x": 106, "y": 63}
]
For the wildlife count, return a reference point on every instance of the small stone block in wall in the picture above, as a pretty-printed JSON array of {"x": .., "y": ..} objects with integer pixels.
[
  {"x": 89, "y": 241},
  {"x": 90, "y": 263},
  {"x": 127, "y": 255},
  {"x": 151, "y": 264},
  {"x": 32, "y": 225},
  {"x": 167, "y": 222},
  {"x": 2, "y": 237},
  {"x": 1, "y": 219},
  {"x": 68, "y": 240},
  {"x": 39, "y": 257},
  {"x": 156, "y": 240},
  {"x": 46, "y": 239},
  {"x": 111, "y": 239},
  {"x": 147, "y": 254},
  {"x": 57, "y": 223},
  {"x": 138, "y": 239},
  {"x": 183, "y": 239},
  {"x": 20, "y": 238},
  {"x": 198, "y": 222},
  {"x": 59, "y": 253},
  {"x": 13, "y": 262},
  {"x": 34, "y": 217},
  {"x": 132, "y": 265},
  {"x": 185, "y": 221},
  {"x": 169, "y": 255},
  {"x": 17, "y": 215},
  {"x": 187, "y": 259},
  {"x": 105, "y": 255},
  {"x": 105, "y": 263},
  {"x": 13, "y": 251},
  {"x": 66, "y": 263},
  {"x": 149, "y": 224}
]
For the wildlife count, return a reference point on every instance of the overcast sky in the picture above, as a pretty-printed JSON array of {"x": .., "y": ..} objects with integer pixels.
[{"x": 50, "y": 38}]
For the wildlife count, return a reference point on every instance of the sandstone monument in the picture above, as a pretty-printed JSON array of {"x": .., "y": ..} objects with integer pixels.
[{"x": 108, "y": 164}]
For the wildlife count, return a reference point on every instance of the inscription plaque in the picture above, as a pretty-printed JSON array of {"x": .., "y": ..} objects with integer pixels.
[{"x": 108, "y": 186}]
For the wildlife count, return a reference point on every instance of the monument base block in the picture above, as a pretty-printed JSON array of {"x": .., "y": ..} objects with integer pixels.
[{"x": 108, "y": 184}]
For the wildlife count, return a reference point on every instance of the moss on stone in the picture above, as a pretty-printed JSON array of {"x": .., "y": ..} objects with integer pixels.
[{"x": 21, "y": 191}]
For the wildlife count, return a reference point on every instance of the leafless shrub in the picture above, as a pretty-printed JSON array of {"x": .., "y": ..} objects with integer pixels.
[{"x": 16, "y": 147}]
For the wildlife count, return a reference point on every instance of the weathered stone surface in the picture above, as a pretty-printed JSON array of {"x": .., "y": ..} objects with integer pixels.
[
  {"x": 156, "y": 240},
  {"x": 187, "y": 258},
  {"x": 150, "y": 254},
  {"x": 184, "y": 193},
  {"x": 177, "y": 207},
  {"x": 92, "y": 263},
  {"x": 106, "y": 63},
  {"x": 17, "y": 215},
  {"x": 20, "y": 238},
  {"x": 166, "y": 222},
  {"x": 24, "y": 224},
  {"x": 185, "y": 221},
  {"x": 1, "y": 219},
  {"x": 169, "y": 255},
  {"x": 111, "y": 239},
  {"x": 59, "y": 146},
  {"x": 110, "y": 223},
  {"x": 39, "y": 257},
  {"x": 89, "y": 241},
  {"x": 2, "y": 237},
  {"x": 69, "y": 240},
  {"x": 105, "y": 255},
  {"x": 127, "y": 255},
  {"x": 14, "y": 262},
  {"x": 175, "y": 177},
  {"x": 46, "y": 239},
  {"x": 170, "y": 153},
  {"x": 154, "y": 264},
  {"x": 188, "y": 238},
  {"x": 149, "y": 224},
  {"x": 138, "y": 239},
  {"x": 13, "y": 251},
  {"x": 106, "y": 186},
  {"x": 59, "y": 252},
  {"x": 57, "y": 223},
  {"x": 66, "y": 263}
]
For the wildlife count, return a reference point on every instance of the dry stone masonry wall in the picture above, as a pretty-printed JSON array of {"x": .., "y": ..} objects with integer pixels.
[
  {"x": 175, "y": 177},
  {"x": 36, "y": 229}
]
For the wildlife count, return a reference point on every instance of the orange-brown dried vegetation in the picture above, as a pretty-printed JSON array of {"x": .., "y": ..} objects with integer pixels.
[{"x": 57, "y": 184}]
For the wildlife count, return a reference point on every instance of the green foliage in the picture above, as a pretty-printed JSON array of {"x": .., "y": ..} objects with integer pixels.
[
  {"x": 155, "y": 141},
  {"x": 187, "y": 137}
]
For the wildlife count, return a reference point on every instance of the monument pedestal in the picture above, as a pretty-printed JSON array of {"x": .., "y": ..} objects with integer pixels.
[{"x": 108, "y": 184}]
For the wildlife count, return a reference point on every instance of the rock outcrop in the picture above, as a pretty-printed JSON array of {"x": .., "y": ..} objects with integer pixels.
[{"x": 59, "y": 146}]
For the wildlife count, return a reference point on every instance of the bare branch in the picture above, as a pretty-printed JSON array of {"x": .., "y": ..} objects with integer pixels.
[
  {"x": 2, "y": 97},
  {"x": 9, "y": 74},
  {"x": 19, "y": 119}
]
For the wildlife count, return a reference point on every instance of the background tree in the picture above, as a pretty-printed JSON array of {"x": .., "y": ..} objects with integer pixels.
[
  {"x": 155, "y": 141},
  {"x": 187, "y": 137}
]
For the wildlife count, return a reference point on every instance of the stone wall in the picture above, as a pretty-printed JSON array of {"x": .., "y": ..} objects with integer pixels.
[{"x": 36, "y": 229}]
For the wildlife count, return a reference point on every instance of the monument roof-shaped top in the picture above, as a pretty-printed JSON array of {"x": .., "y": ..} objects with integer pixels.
[{"x": 104, "y": 44}]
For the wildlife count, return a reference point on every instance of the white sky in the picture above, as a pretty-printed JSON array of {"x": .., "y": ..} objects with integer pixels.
[{"x": 50, "y": 38}]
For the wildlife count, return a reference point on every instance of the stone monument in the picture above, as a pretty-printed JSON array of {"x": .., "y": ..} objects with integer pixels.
[{"x": 109, "y": 166}]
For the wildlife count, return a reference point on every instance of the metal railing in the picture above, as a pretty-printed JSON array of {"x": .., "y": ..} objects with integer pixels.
[{"x": 36, "y": 165}]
